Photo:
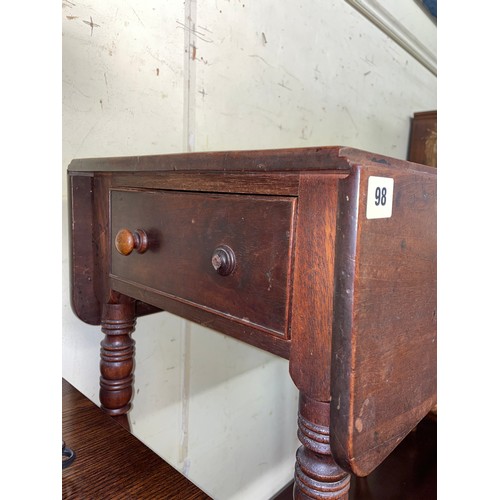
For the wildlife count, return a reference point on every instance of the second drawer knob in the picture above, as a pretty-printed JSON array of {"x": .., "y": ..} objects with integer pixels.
[{"x": 224, "y": 260}]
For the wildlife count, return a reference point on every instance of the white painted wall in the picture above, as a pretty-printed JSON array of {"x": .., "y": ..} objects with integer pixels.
[{"x": 159, "y": 77}]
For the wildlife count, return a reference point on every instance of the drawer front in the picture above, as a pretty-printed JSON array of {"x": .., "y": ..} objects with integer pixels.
[{"x": 229, "y": 254}]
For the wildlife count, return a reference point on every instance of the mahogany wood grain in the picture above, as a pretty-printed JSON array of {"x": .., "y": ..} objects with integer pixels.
[
  {"x": 325, "y": 158},
  {"x": 213, "y": 182},
  {"x": 84, "y": 301},
  {"x": 87, "y": 251},
  {"x": 184, "y": 229},
  {"x": 310, "y": 354},
  {"x": 296, "y": 159},
  {"x": 350, "y": 300},
  {"x": 110, "y": 462},
  {"x": 317, "y": 475},
  {"x": 117, "y": 358},
  {"x": 249, "y": 333},
  {"x": 384, "y": 341}
]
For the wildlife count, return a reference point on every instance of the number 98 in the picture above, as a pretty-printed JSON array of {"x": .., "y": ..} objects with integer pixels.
[{"x": 380, "y": 196}]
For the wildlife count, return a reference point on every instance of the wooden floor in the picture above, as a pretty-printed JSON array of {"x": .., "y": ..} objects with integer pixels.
[{"x": 112, "y": 464}]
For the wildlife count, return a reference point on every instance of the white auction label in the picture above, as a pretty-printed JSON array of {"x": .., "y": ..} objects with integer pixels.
[{"x": 379, "y": 198}]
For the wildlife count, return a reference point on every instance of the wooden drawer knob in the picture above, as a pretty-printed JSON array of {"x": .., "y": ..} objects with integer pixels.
[
  {"x": 126, "y": 241},
  {"x": 224, "y": 260}
]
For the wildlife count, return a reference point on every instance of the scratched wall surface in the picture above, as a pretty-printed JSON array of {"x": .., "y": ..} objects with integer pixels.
[
  {"x": 311, "y": 73},
  {"x": 160, "y": 77},
  {"x": 123, "y": 78}
]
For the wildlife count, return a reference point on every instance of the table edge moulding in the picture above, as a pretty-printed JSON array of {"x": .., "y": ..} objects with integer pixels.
[{"x": 324, "y": 256}]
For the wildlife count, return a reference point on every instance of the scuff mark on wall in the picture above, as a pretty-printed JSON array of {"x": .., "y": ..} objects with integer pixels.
[
  {"x": 137, "y": 15},
  {"x": 163, "y": 61},
  {"x": 92, "y": 25},
  {"x": 261, "y": 58},
  {"x": 346, "y": 109},
  {"x": 306, "y": 132},
  {"x": 317, "y": 72},
  {"x": 283, "y": 84},
  {"x": 106, "y": 83},
  {"x": 201, "y": 35}
]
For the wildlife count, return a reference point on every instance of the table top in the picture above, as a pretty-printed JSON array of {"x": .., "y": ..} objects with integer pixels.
[
  {"x": 339, "y": 159},
  {"x": 111, "y": 462}
]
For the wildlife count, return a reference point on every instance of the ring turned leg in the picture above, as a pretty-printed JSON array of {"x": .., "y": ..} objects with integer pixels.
[
  {"x": 117, "y": 360},
  {"x": 317, "y": 476}
]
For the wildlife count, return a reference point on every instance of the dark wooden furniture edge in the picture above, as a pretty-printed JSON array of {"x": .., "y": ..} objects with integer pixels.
[
  {"x": 85, "y": 298},
  {"x": 422, "y": 144},
  {"x": 344, "y": 430},
  {"x": 97, "y": 297},
  {"x": 322, "y": 158}
]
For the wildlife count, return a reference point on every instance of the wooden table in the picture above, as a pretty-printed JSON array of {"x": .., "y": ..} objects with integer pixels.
[
  {"x": 323, "y": 256},
  {"x": 110, "y": 462}
]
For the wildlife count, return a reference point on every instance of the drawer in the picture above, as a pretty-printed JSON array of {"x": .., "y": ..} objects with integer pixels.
[{"x": 225, "y": 253}]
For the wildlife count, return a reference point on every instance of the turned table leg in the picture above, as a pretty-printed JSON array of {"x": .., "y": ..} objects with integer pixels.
[
  {"x": 317, "y": 475},
  {"x": 117, "y": 360}
]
